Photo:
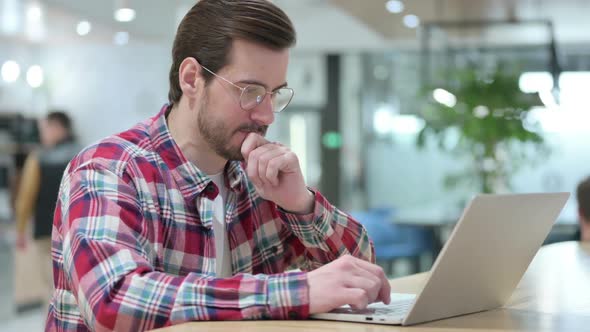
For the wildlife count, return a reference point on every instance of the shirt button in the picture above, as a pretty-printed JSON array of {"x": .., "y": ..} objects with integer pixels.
[{"x": 293, "y": 315}]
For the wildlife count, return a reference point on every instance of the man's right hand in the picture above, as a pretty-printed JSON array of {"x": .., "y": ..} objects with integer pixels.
[{"x": 347, "y": 280}]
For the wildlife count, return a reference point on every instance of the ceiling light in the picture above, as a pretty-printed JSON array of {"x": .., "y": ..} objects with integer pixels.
[
  {"x": 411, "y": 21},
  {"x": 10, "y": 71},
  {"x": 83, "y": 28},
  {"x": 394, "y": 6},
  {"x": 121, "y": 38},
  {"x": 35, "y": 76},
  {"x": 124, "y": 14}
]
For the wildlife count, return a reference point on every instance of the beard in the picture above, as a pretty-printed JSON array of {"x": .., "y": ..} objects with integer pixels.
[{"x": 217, "y": 134}]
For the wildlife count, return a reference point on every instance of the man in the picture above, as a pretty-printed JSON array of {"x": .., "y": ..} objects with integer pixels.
[
  {"x": 193, "y": 214},
  {"x": 38, "y": 189},
  {"x": 583, "y": 196}
]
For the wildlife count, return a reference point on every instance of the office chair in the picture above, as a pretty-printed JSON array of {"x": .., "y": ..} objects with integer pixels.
[{"x": 392, "y": 241}]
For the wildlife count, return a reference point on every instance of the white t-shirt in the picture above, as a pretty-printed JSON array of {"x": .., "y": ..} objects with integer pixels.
[{"x": 222, "y": 253}]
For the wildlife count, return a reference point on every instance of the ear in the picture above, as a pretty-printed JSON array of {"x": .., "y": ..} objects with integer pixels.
[{"x": 189, "y": 76}]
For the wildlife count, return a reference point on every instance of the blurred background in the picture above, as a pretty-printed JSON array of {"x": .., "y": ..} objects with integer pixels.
[{"x": 403, "y": 110}]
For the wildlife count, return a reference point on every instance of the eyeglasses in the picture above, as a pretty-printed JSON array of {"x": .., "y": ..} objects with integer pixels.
[{"x": 253, "y": 94}]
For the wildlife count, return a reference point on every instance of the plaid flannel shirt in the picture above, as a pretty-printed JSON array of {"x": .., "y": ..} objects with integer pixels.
[{"x": 133, "y": 245}]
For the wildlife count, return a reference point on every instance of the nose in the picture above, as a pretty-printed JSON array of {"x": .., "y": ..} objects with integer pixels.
[{"x": 262, "y": 114}]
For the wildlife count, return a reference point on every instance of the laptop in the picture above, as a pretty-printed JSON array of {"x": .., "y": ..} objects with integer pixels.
[{"x": 479, "y": 267}]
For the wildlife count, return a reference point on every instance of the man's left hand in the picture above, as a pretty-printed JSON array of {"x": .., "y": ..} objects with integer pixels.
[{"x": 275, "y": 172}]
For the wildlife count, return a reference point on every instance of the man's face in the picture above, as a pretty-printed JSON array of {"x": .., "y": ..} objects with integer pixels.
[
  {"x": 221, "y": 120},
  {"x": 50, "y": 132}
]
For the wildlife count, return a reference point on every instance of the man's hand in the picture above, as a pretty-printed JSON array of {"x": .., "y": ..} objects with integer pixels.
[
  {"x": 347, "y": 280},
  {"x": 275, "y": 172},
  {"x": 21, "y": 241}
]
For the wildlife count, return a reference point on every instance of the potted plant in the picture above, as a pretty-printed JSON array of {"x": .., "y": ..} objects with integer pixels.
[{"x": 487, "y": 113}]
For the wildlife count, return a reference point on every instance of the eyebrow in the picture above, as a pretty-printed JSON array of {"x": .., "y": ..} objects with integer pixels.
[{"x": 284, "y": 85}]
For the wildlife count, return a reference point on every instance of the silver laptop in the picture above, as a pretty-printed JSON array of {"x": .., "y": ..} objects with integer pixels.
[{"x": 479, "y": 267}]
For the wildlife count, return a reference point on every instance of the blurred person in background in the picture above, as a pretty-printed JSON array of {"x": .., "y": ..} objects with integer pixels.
[
  {"x": 583, "y": 197},
  {"x": 38, "y": 188},
  {"x": 193, "y": 215}
]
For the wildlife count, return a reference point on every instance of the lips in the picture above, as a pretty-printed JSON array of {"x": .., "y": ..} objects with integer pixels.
[
  {"x": 261, "y": 130},
  {"x": 243, "y": 134}
]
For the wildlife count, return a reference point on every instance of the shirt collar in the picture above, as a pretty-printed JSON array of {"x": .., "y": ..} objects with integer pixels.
[{"x": 191, "y": 181}]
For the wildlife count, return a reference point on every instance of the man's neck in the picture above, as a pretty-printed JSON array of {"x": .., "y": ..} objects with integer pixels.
[{"x": 182, "y": 123}]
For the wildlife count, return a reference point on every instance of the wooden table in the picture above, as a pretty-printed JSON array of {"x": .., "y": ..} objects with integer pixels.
[{"x": 554, "y": 295}]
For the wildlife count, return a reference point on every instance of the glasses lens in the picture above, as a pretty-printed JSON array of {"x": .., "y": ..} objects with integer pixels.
[
  {"x": 281, "y": 99},
  {"x": 252, "y": 96}
]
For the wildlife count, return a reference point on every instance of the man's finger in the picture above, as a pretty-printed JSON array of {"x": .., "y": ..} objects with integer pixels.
[
  {"x": 385, "y": 292},
  {"x": 255, "y": 161},
  {"x": 357, "y": 298},
  {"x": 252, "y": 141},
  {"x": 275, "y": 165},
  {"x": 265, "y": 162},
  {"x": 371, "y": 285}
]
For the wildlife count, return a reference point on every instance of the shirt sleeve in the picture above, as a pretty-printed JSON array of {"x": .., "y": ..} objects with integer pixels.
[
  {"x": 28, "y": 191},
  {"x": 328, "y": 233},
  {"x": 108, "y": 266}
]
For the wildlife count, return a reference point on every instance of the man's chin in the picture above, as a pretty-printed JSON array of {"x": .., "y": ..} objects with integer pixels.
[{"x": 232, "y": 155}]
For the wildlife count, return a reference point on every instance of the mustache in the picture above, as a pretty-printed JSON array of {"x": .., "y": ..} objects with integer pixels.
[{"x": 253, "y": 128}]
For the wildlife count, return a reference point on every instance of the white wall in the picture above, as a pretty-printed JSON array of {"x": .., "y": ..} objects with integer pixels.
[
  {"x": 107, "y": 89},
  {"x": 18, "y": 96}
]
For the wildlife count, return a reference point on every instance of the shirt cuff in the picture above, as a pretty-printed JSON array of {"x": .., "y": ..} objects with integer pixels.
[
  {"x": 288, "y": 296},
  {"x": 312, "y": 228}
]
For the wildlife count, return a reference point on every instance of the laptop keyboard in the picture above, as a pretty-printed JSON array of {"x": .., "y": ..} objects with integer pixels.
[{"x": 395, "y": 308}]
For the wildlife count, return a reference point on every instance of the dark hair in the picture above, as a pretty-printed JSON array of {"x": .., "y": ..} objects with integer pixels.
[
  {"x": 583, "y": 196},
  {"x": 63, "y": 119},
  {"x": 209, "y": 28}
]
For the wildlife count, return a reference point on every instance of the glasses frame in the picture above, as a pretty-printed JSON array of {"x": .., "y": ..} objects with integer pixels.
[{"x": 243, "y": 90}]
